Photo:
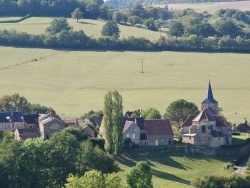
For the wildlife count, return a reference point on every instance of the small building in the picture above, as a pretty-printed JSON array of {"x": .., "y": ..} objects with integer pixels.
[
  {"x": 50, "y": 124},
  {"x": 31, "y": 120},
  {"x": 243, "y": 128},
  {"x": 23, "y": 134},
  {"x": 131, "y": 131},
  {"x": 159, "y": 132}
]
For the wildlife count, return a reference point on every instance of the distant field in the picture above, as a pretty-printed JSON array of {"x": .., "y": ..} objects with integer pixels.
[
  {"x": 177, "y": 171},
  {"x": 75, "y": 82},
  {"x": 38, "y": 25},
  {"x": 211, "y": 7}
]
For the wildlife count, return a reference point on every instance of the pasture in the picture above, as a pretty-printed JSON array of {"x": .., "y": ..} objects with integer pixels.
[
  {"x": 92, "y": 28},
  {"x": 176, "y": 170},
  {"x": 211, "y": 7},
  {"x": 75, "y": 82}
]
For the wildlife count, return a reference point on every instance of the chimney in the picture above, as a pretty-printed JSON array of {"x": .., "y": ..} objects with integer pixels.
[{"x": 135, "y": 121}]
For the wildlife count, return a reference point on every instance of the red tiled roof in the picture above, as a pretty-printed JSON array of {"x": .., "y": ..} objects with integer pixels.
[
  {"x": 204, "y": 115},
  {"x": 189, "y": 121},
  {"x": 158, "y": 127}
]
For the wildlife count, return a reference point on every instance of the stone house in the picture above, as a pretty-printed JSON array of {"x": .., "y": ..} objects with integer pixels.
[
  {"x": 132, "y": 131},
  {"x": 243, "y": 128},
  {"x": 146, "y": 132},
  {"x": 11, "y": 121},
  {"x": 50, "y": 124},
  {"x": 159, "y": 132},
  {"x": 23, "y": 134},
  {"x": 207, "y": 128}
]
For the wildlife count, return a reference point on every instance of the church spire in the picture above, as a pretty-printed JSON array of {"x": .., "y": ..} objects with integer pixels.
[
  {"x": 210, "y": 97},
  {"x": 210, "y": 101}
]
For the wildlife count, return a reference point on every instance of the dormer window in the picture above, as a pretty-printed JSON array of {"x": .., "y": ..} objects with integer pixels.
[{"x": 203, "y": 128}]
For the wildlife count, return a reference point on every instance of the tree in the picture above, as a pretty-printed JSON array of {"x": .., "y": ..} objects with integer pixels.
[
  {"x": 77, "y": 14},
  {"x": 112, "y": 119},
  {"x": 93, "y": 113},
  {"x": 140, "y": 176},
  {"x": 151, "y": 113},
  {"x": 176, "y": 29},
  {"x": 151, "y": 24},
  {"x": 226, "y": 27},
  {"x": 179, "y": 110},
  {"x": 110, "y": 29},
  {"x": 14, "y": 102},
  {"x": 39, "y": 109},
  {"x": 58, "y": 25}
]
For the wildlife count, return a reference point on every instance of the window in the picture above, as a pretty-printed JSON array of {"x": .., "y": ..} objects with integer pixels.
[
  {"x": 133, "y": 136},
  {"x": 203, "y": 128},
  {"x": 127, "y": 135},
  {"x": 190, "y": 138},
  {"x": 1, "y": 126},
  {"x": 219, "y": 138}
]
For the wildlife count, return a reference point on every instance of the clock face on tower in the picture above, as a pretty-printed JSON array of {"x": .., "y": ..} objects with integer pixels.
[{"x": 54, "y": 126}]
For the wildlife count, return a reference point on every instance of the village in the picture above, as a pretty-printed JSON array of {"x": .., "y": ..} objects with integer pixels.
[{"x": 208, "y": 128}]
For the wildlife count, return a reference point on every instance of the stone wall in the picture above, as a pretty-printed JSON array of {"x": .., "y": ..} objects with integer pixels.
[{"x": 234, "y": 151}]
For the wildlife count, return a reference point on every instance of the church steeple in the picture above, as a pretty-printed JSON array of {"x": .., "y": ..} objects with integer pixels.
[
  {"x": 210, "y": 96},
  {"x": 210, "y": 101}
]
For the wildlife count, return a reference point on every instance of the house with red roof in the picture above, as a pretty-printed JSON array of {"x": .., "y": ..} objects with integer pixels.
[{"x": 207, "y": 128}]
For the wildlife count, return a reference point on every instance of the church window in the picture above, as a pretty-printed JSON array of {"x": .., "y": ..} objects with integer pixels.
[
  {"x": 133, "y": 135},
  {"x": 203, "y": 128},
  {"x": 127, "y": 135}
]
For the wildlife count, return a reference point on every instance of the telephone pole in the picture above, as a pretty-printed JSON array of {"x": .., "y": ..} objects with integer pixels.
[{"x": 142, "y": 66}]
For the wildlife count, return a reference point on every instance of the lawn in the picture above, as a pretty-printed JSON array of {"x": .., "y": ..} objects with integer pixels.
[
  {"x": 75, "y": 82},
  {"x": 38, "y": 25},
  {"x": 238, "y": 139},
  {"x": 176, "y": 170}
]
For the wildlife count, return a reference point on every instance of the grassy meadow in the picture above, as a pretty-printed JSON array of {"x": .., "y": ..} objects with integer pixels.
[
  {"x": 175, "y": 170},
  {"x": 38, "y": 25},
  {"x": 75, "y": 82}
]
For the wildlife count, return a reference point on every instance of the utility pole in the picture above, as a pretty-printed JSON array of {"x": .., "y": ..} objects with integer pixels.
[{"x": 142, "y": 66}]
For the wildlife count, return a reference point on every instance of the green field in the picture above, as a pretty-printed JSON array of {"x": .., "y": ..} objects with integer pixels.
[
  {"x": 75, "y": 82},
  {"x": 175, "y": 170},
  {"x": 37, "y": 25}
]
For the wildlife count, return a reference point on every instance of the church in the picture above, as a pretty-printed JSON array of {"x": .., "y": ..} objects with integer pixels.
[{"x": 208, "y": 128}]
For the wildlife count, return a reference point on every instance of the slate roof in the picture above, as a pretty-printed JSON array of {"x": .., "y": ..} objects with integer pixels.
[
  {"x": 243, "y": 127},
  {"x": 6, "y": 117},
  {"x": 204, "y": 115},
  {"x": 97, "y": 121},
  {"x": 210, "y": 97},
  {"x": 28, "y": 133},
  {"x": 220, "y": 121},
  {"x": 140, "y": 122},
  {"x": 88, "y": 131},
  {"x": 31, "y": 118},
  {"x": 45, "y": 118},
  {"x": 158, "y": 127}
]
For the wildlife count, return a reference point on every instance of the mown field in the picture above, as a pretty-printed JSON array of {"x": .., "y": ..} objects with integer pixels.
[
  {"x": 38, "y": 25},
  {"x": 211, "y": 7},
  {"x": 75, "y": 82},
  {"x": 176, "y": 170}
]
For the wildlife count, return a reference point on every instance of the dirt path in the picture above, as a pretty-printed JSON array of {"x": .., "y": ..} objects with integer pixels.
[{"x": 242, "y": 167}]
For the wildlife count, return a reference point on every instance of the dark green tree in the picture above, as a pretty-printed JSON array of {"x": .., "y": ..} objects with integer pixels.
[
  {"x": 179, "y": 110},
  {"x": 112, "y": 118},
  {"x": 140, "y": 176},
  {"x": 58, "y": 25},
  {"x": 111, "y": 29},
  {"x": 39, "y": 109},
  {"x": 176, "y": 29}
]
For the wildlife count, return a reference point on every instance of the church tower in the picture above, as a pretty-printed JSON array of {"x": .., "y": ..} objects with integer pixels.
[{"x": 210, "y": 101}]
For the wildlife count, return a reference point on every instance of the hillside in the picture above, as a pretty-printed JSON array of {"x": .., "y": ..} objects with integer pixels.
[
  {"x": 200, "y": 6},
  {"x": 75, "y": 82}
]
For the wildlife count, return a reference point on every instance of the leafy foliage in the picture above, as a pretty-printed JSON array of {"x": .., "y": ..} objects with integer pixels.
[
  {"x": 77, "y": 14},
  {"x": 151, "y": 113},
  {"x": 140, "y": 176},
  {"x": 110, "y": 29},
  {"x": 179, "y": 110}
]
